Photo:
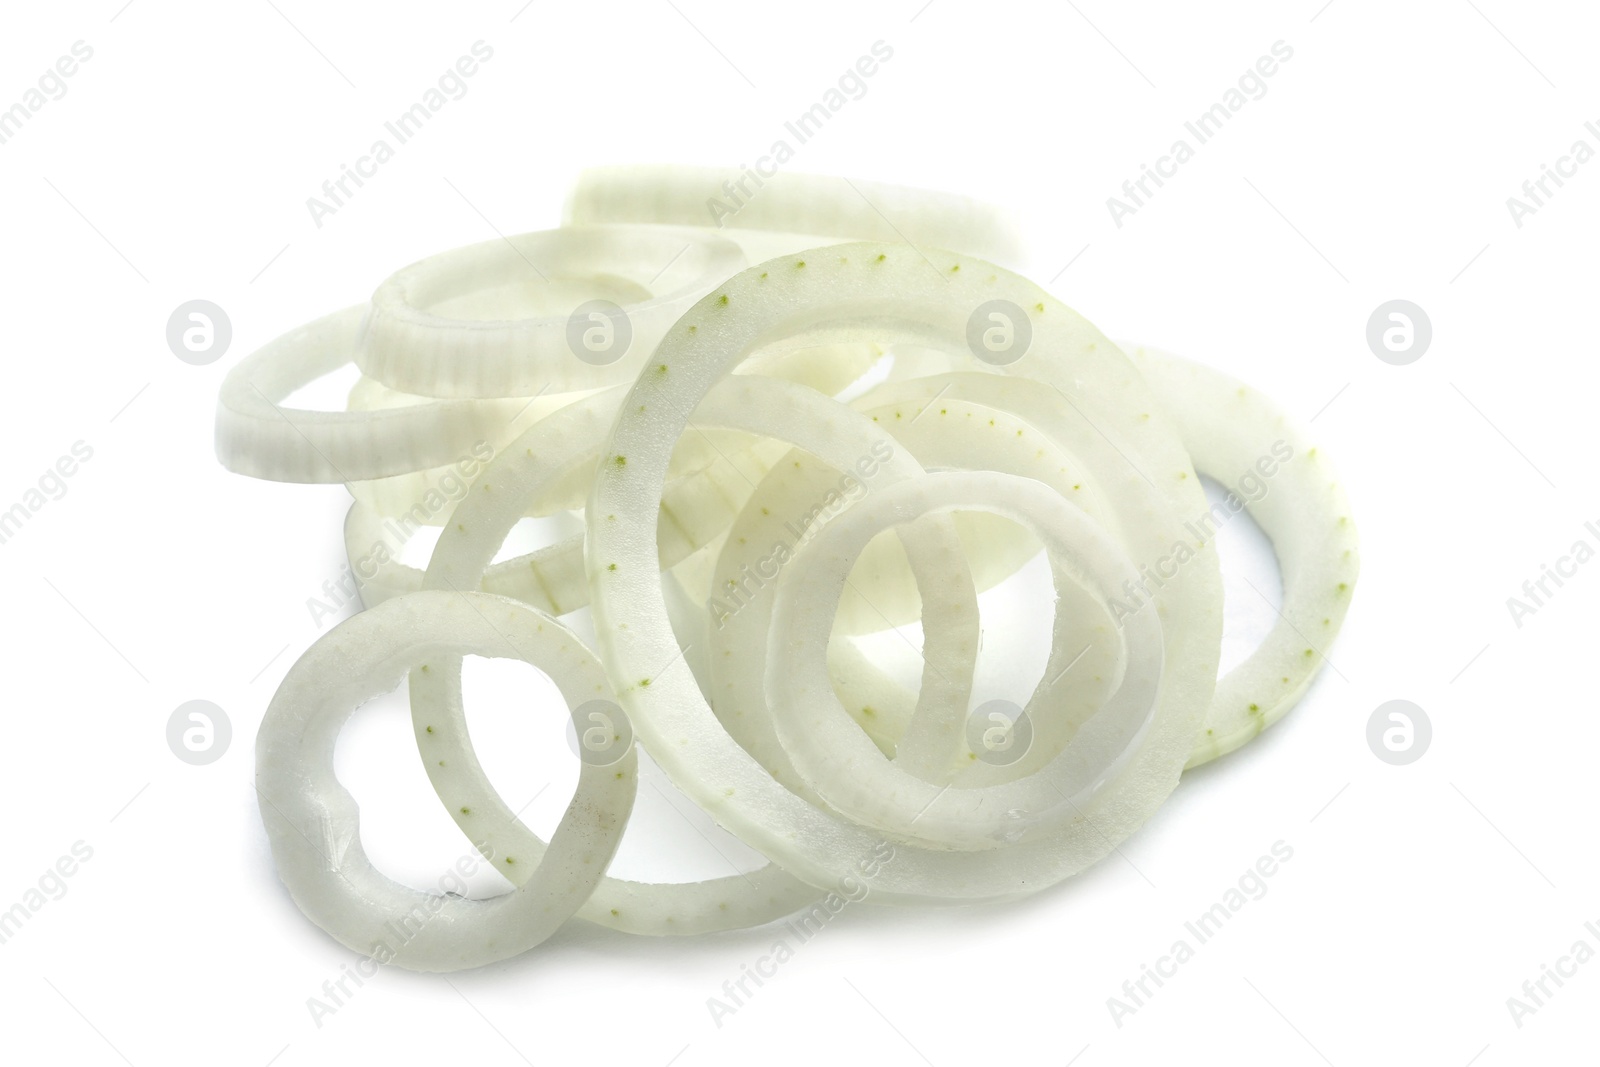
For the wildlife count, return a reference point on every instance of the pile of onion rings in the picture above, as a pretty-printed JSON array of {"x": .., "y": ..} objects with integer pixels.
[{"x": 784, "y": 436}]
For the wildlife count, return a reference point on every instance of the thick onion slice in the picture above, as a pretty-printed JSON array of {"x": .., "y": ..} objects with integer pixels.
[
  {"x": 497, "y": 319},
  {"x": 1273, "y": 468},
  {"x": 789, "y": 212},
  {"x": 891, "y": 294},
  {"x": 255, "y": 435},
  {"x": 313, "y": 822}
]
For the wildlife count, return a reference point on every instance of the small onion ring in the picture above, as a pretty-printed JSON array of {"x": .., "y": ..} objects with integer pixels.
[{"x": 313, "y": 822}]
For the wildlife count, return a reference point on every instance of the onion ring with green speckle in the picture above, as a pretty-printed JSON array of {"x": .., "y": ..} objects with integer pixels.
[
  {"x": 1243, "y": 439},
  {"x": 890, "y": 294},
  {"x": 461, "y": 558}
]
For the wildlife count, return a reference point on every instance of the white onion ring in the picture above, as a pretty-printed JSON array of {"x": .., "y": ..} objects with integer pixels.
[
  {"x": 313, "y": 822},
  {"x": 1227, "y": 427},
  {"x": 258, "y": 437},
  {"x": 956, "y": 434},
  {"x": 458, "y": 324},
  {"x": 792, "y": 212},
  {"x": 460, "y": 560},
  {"x": 1230, "y": 428},
  {"x": 849, "y": 773},
  {"x": 886, "y": 293}
]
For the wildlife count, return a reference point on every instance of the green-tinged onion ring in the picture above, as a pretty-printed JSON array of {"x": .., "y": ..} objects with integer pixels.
[
  {"x": 460, "y": 560},
  {"x": 1273, "y": 469},
  {"x": 887, "y": 294}
]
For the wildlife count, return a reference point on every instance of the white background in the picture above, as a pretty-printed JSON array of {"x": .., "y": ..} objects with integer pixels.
[{"x": 1378, "y": 165}]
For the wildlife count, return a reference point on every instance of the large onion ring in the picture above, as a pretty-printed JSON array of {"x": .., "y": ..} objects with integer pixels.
[{"x": 887, "y": 293}]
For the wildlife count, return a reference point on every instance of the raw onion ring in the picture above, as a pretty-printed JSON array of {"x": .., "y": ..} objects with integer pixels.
[
  {"x": 458, "y": 324},
  {"x": 313, "y": 822},
  {"x": 791, "y": 212},
  {"x": 883, "y": 293},
  {"x": 1235, "y": 432},
  {"x": 255, "y": 435}
]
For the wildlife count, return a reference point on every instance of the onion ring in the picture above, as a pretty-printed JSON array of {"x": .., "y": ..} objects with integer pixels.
[
  {"x": 1235, "y": 432},
  {"x": 459, "y": 561},
  {"x": 258, "y": 437},
  {"x": 791, "y": 212},
  {"x": 883, "y": 293},
  {"x": 458, "y": 325},
  {"x": 313, "y": 822},
  {"x": 851, "y": 775}
]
